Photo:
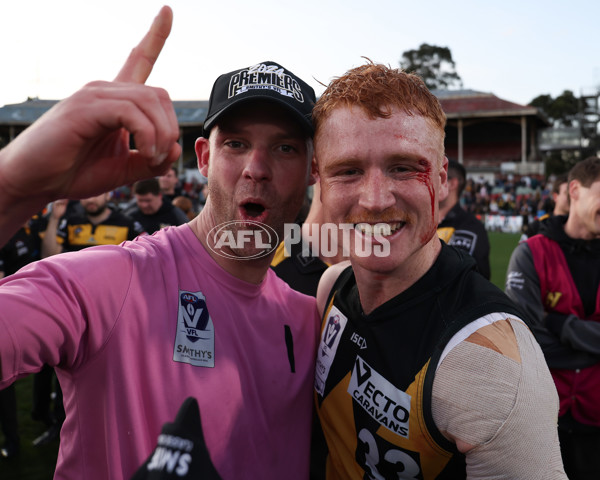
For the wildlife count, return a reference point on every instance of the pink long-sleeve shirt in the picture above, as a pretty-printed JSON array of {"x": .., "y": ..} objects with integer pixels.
[{"x": 135, "y": 329}]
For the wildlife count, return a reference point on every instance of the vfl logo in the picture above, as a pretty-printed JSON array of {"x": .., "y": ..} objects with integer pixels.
[
  {"x": 195, "y": 316},
  {"x": 331, "y": 330},
  {"x": 228, "y": 237},
  {"x": 330, "y": 340},
  {"x": 195, "y": 333}
]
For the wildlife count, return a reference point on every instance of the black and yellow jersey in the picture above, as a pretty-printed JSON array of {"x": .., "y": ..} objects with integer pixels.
[
  {"x": 299, "y": 271},
  {"x": 374, "y": 373},
  {"x": 76, "y": 231},
  {"x": 464, "y": 231}
]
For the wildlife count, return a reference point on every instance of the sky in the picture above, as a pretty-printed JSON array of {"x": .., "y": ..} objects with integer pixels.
[{"x": 514, "y": 49}]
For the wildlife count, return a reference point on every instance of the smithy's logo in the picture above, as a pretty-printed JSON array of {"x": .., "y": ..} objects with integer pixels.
[{"x": 231, "y": 239}]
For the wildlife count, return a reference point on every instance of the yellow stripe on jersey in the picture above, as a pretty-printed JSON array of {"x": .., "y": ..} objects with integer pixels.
[
  {"x": 445, "y": 233},
  {"x": 336, "y": 414},
  {"x": 79, "y": 235},
  {"x": 280, "y": 255}
]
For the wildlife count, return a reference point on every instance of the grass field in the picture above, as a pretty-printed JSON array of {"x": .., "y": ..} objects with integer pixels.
[
  {"x": 33, "y": 463},
  {"x": 501, "y": 247},
  {"x": 37, "y": 463}
]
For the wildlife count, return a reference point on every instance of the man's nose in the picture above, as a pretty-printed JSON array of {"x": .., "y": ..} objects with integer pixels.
[
  {"x": 375, "y": 193},
  {"x": 258, "y": 165}
]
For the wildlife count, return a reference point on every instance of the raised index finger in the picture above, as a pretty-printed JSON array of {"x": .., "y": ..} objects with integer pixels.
[{"x": 139, "y": 64}]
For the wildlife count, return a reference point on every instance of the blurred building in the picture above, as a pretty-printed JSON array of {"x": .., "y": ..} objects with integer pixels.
[
  {"x": 485, "y": 133},
  {"x": 190, "y": 115},
  {"x": 490, "y": 135}
]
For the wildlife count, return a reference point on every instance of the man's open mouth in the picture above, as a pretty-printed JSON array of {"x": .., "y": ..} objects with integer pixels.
[{"x": 252, "y": 209}]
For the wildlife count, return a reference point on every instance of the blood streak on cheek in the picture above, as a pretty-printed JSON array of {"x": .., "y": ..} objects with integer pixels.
[{"x": 425, "y": 178}]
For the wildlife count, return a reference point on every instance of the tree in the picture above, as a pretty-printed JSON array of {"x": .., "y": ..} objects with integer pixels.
[
  {"x": 565, "y": 113},
  {"x": 562, "y": 110},
  {"x": 433, "y": 64},
  {"x": 561, "y": 161}
]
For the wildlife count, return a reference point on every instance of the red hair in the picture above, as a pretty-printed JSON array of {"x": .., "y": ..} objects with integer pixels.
[{"x": 376, "y": 88}]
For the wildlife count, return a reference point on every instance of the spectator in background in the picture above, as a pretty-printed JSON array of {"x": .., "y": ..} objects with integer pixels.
[
  {"x": 560, "y": 202},
  {"x": 22, "y": 249},
  {"x": 560, "y": 195},
  {"x": 169, "y": 184},
  {"x": 151, "y": 210},
  {"x": 555, "y": 277},
  {"x": 185, "y": 205},
  {"x": 506, "y": 202},
  {"x": 460, "y": 228},
  {"x": 99, "y": 224}
]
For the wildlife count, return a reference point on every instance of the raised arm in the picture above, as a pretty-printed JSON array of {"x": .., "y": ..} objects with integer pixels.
[
  {"x": 50, "y": 245},
  {"x": 80, "y": 147}
]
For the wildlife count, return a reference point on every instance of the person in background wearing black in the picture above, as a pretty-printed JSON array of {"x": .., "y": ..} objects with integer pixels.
[
  {"x": 555, "y": 277},
  {"x": 152, "y": 211},
  {"x": 560, "y": 199},
  {"x": 460, "y": 228},
  {"x": 95, "y": 223},
  {"x": 169, "y": 184}
]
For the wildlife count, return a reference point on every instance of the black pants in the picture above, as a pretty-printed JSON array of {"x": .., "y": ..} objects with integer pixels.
[
  {"x": 42, "y": 391},
  {"x": 580, "y": 453},
  {"x": 8, "y": 415}
]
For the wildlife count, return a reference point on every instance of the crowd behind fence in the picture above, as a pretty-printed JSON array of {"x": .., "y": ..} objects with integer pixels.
[{"x": 509, "y": 202}]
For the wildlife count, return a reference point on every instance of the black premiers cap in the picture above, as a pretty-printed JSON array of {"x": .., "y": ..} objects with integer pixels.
[
  {"x": 266, "y": 81},
  {"x": 181, "y": 452}
]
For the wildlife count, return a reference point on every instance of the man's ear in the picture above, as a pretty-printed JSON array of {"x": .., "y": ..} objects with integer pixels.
[
  {"x": 444, "y": 180},
  {"x": 202, "y": 148},
  {"x": 573, "y": 189},
  {"x": 314, "y": 172}
]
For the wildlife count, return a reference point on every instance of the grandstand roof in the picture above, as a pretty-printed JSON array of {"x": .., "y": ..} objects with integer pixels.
[
  {"x": 471, "y": 104},
  {"x": 189, "y": 112}
]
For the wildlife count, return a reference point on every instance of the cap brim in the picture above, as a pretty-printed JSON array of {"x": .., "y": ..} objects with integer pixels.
[{"x": 264, "y": 95}]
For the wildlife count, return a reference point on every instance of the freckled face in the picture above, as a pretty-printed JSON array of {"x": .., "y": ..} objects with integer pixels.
[{"x": 384, "y": 170}]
